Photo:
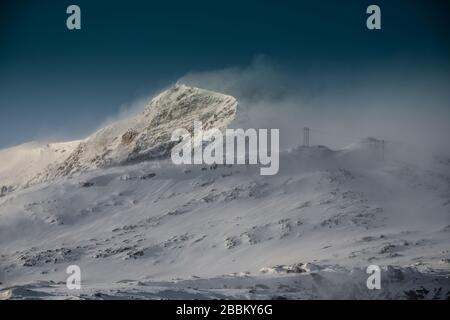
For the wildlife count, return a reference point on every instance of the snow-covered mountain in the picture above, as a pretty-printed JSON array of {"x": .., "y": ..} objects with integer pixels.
[
  {"x": 143, "y": 137},
  {"x": 151, "y": 229}
]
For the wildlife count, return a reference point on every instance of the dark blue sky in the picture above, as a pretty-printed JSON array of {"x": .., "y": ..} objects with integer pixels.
[{"x": 60, "y": 83}]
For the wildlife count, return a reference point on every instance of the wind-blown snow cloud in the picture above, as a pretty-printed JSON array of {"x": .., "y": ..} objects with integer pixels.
[{"x": 410, "y": 105}]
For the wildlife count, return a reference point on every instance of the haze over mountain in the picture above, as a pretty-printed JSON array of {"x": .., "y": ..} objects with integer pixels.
[{"x": 141, "y": 227}]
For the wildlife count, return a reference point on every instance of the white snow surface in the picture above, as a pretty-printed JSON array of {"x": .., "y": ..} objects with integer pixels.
[{"x": 154, "y": 230}]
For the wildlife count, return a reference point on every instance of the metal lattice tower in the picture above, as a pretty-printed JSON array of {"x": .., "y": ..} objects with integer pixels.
[{"x": 306, "y": 137}]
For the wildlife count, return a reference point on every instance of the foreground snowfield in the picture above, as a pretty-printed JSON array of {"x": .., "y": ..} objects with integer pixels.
[
  {"x": 141, "y": 227},
  {"x": 156, "y": 230}
]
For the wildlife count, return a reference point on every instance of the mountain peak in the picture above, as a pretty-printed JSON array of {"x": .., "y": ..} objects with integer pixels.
[{"x": 143, "y": 137}]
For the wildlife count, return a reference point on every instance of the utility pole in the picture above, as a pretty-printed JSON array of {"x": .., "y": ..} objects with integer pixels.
[
  {"x": 306, "y": 137},
  {"x": 382, "y": 150}
]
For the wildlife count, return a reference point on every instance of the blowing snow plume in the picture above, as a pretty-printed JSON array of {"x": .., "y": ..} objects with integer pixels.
[{"x": 399, "y": 104}]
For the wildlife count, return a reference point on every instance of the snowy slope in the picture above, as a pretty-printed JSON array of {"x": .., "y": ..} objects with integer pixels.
[
  {"x": 123, "y": 224},
  {"x": 20, "y": 164},
  {"x": 152, "y": 229}
]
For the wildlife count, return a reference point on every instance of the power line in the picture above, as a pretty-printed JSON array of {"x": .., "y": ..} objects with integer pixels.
[{"x": 306, "y": 137}]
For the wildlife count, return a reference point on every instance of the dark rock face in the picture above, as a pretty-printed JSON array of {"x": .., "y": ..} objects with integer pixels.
[
  {"x": 147, "y": 176},
  {"x": 5, "y": 189},
  {"x": 129, "y": 136}
]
